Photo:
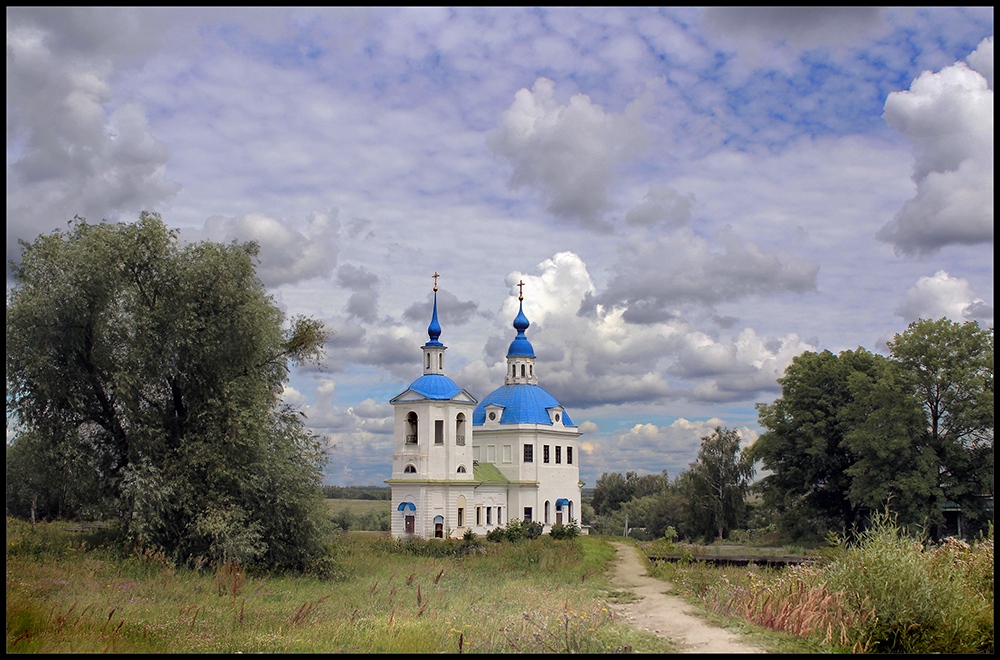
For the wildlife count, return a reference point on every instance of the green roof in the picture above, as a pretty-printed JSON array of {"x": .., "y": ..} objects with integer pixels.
[{"x": 488, "y": 473}]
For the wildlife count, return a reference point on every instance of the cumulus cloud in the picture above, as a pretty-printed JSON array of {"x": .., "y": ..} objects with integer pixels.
[
  {"x": 948, "y": 116},
  {"x": 648, "y": 448},
  {"x": 568, "y": 152},
  {"x": 70, "y": 150},
  {"x": 600, "y": 358},
  {"x": 451, "y": 310},
  {"x": 363, "y": 303},
  {"x": 655, "y": 275},
  {"x": 287, "y": 254},
  {"x": 943, "y": 295},
  {"x": 663, "y": 208}
]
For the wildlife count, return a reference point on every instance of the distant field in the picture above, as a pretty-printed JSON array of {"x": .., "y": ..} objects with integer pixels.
[{"x": 357, "y": 507}]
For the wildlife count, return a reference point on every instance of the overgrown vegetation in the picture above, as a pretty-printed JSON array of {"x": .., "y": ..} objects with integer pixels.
[
  {"x": 69, "y": 592},
  {"x": 884, "y": 592}
]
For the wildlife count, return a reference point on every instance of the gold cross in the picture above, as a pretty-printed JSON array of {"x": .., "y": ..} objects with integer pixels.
[
  {"x": 436, "y": 276},
  {"x": 520, "y": 290}
]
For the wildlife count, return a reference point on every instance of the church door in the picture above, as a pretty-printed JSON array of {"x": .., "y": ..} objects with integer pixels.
[{"x": 408, "y": 524}]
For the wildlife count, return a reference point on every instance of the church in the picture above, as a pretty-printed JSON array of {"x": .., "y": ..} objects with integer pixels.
[{"x": 459, "y": 464}]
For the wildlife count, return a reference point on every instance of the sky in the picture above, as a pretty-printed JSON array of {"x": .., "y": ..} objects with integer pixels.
[{"x": 692, "y": 197}]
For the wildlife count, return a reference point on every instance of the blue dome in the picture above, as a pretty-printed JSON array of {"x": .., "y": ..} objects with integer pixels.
[
  {"x": 435, "y": 386},
  {"x": 522, "y": 404},
  {"x": 521, "y": 347}
]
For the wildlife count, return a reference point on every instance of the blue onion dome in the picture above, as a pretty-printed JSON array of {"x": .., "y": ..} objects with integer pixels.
[
  {"x": 434, "y": 329},
  {"x": 520, "y": 346}
]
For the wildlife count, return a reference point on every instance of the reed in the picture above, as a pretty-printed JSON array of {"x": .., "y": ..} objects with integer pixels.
[{"x": 884, "y": 593}]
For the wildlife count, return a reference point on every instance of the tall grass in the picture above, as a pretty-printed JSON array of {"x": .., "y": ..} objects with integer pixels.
[
  {"x": 73, "y": 593},
  {"x": 885, "y": 593}
]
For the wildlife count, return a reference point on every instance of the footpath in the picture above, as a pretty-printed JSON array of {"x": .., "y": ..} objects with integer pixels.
[{"x": 665, "y": 615}]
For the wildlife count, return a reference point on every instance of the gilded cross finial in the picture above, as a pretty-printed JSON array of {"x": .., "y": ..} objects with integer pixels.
[
  {"x": 520, "y": 290},
  {"x": 436, "y": 276}
]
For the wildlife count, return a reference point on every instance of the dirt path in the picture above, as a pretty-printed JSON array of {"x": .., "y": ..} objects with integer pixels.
[{"x": 664, "y": 615}]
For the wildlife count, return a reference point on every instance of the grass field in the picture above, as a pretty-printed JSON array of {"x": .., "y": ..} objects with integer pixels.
[
  {"x": 358, "y": 507},
  {"x": 69, "y": 592}
]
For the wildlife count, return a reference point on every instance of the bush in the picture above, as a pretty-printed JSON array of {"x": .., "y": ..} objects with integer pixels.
[{"x": 560, "y": 531}]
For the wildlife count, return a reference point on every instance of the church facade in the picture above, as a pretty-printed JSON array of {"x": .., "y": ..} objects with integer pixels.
[{"x": 460, "y": 464}]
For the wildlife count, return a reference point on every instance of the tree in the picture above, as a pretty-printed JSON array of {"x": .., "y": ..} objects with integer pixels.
[
  {"x": 718, "y": 481},
  {"x": 155, "y": 371},
  {"x": 803, "y": 446},
  {"x": 950, "y": 366},
  {"x": 860, "y": 432},
  {"x": 611, "y": 491},
  {"x": 894, "y": 468}
]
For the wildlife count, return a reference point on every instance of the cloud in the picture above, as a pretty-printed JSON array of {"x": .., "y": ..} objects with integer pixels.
[
  {"x": 451, "y": 310},
  {"x": 948, "y": 117},
  {"x": 663, "y": 208},
  {"x": 776, "y": 36},
  {"x": 648, "y": 448},
  {"x": 287, "y": 255},
  {"x": 72, "y": 147},
  {"x": 599, "y": 358},
  {"x": 943, "y": 295},
  {"x": 656, "y": 274},
  {"x": 567, "y": 152}
]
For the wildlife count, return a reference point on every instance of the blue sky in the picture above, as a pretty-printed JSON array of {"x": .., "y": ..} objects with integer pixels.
[{"x": 692, "y": 196}]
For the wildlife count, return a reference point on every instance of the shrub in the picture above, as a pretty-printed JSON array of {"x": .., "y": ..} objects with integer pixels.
[{"x": 560, "y": 531}]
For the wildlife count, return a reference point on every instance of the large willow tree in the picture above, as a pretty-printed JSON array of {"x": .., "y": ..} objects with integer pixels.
[{"x": 144, "y": 378}]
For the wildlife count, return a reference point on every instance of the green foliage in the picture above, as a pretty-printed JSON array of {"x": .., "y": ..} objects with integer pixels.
[
  {"x": 718, "y": 482},
  {"x": 856, "y": 432},
  {"x": 950, "y": 370},
  {"x": 516, "y": 530},
  {"x": 883, "y": 592},
  {"x": 148, "y": 374},
  {"x": 568, "y": 531}
]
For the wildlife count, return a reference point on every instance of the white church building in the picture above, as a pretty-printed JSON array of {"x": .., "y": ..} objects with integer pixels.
[{"x": 460, "y": 464}]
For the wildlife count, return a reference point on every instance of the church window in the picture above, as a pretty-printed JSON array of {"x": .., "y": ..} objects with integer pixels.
[
  {"x": 479, "y": 515},
  {"x": 569, "y": 456},
  {"x": 489, "y": 515},
  {"x": 409, "y": 469},
  {"x": 531, "y": 370},
  {"x": 428, "y": 360},
  {"x": 545, "y": 453},
  {"x": 493, "y": 416},
  {"x": 529, "y": 453},
  {"x": 461, "y": 516},
  {"x": 527, "y": 514},
  {"x": 460, "y": 429},
  {"x": 499, "y": 521},
  {"x": 461, "y": 469},
  {"x": 522, "y": 371},
  {"x": 439, "y": 431},
  {"x": 411, "y": 428},
  {"x": 440, "y": 360},
  {"x": 558, "y": 454},
  {"x": 546, "y": 512}
]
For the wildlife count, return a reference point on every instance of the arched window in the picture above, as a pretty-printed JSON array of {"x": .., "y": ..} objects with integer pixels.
[
  {"x": 461, "y": 469},
  {"x": 522, "y": 371},
  {"x": 546, "y": 512},
  {"x": 411, "y": 428},
  {"x": 460, "y": 429},
  {"x": 409, "y": 469}
]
